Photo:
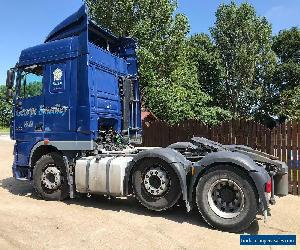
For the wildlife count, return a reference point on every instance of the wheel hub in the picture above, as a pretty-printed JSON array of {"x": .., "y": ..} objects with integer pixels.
[
  {"x": 156, "y": 181},
  {"x": 226, "y": 198},
  {"x": 51, "y": 177},
  {"x": 227, "y": 194}
]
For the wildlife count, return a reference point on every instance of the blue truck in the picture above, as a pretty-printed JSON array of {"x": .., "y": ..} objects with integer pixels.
[{"x": 77, "y": 115}]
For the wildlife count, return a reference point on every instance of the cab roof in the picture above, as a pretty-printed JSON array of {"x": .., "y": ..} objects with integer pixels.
[
  {"x": 71, "y": 37},
  {"x": 75, "y": 24}
]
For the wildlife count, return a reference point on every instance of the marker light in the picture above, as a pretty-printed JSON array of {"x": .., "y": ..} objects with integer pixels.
[{"x": 269, "y": 186}]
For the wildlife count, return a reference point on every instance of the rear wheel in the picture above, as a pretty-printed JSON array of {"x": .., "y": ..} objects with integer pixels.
[
  {"x": 50, "y": 178},
  {"x": 156, "y": 184},
  {"x": 226, "y": 199}
]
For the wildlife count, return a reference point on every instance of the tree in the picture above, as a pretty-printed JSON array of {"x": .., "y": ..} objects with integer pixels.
[
  {"x": 245, "y": 60},
  {"x": 287, "y": 74},
  {"x": 210, "y": 71},
  {"x": 287, "y": 45},
  {"x": 5, "y": 108},
  {"x": 168, "y": 78}
]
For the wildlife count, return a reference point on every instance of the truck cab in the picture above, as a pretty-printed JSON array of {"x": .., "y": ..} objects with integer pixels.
[{"x": 81, "y": 83}]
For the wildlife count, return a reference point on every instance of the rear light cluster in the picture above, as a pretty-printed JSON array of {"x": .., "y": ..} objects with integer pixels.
[{"x": 269, "y": 186}]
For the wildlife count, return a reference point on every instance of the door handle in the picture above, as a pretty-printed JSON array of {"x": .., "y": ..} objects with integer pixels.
[
  {"x": 39, "y": 126},
  {"x": 19, "y": 104}
]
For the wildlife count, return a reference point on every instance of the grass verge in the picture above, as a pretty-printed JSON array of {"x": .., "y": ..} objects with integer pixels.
[{"x": 4, "y": 130}]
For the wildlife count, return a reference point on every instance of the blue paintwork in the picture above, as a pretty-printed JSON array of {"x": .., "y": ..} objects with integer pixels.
[
  {"x": 50, "y": 52},
  {"x": 70, "y": 108}
]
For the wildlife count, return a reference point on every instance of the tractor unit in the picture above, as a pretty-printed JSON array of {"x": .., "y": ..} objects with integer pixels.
[{"x": 77, "y": 115}]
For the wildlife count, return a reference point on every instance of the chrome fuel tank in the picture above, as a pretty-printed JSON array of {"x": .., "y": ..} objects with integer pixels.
[{"x": 104, "y": 176}]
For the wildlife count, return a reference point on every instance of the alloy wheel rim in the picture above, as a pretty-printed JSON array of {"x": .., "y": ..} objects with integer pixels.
[
  {"x": 156, "y": 181},
  {"x": 51, "y": 177},
  {"x": 226, "y": 198}
]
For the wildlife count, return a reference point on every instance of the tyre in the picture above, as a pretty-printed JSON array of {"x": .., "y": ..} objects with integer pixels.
[
  {"x": 155, "y": 184},
  {"x": 226, "y": 199},
  {"x": 50, "y": 177}
]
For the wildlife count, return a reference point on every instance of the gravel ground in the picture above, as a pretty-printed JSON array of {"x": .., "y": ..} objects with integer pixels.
[{"x": 27, "y": 222}]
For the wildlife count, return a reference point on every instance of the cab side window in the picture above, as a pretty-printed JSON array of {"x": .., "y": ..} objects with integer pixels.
[{"x": 32, "y": 81}]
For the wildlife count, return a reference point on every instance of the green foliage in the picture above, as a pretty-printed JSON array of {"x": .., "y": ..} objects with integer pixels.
[
  {"x": 289, "y": 105},
  {"x": 243, "y": 42},
  {"x": 287, "y": 45},
  {"x": 168, "y": 77},
  {"x": 207, "y": 59},
  {"x": 32, "y": 89},
  {"x": 5, "y": 108},
  {"x": 287, "y": 74}
]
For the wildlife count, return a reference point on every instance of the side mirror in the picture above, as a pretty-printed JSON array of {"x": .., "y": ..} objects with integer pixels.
[
  {"x": 10, "y": 79},
  {"x": 9, "y": 94}
]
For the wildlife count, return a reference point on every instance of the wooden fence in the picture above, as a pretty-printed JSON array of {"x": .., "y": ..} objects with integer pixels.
[{"x": 283, "y": 141}]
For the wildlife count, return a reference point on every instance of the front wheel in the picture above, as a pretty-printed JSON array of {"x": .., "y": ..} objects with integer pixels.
[
  {"x": 226, "y": 199},
  {"x": 156, "y": 184},
  {"x": 50, "y": 177}
]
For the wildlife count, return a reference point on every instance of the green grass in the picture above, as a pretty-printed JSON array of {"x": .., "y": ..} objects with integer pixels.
[{"x": 4, "y": 130}]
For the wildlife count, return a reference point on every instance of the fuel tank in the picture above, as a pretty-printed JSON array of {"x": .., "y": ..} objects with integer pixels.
[{"x": 101, "y": 176}]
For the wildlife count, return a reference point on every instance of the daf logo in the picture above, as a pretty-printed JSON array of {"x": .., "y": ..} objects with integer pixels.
[{"x": 57, "y": 74}]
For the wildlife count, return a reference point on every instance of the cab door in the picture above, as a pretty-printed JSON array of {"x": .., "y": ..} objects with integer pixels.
[
  {"x": 29, "y": 120},
  {"x": 57, "y": 97}
]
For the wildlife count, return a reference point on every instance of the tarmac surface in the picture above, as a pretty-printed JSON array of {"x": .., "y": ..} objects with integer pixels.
[{"x": 27, "y": 222}]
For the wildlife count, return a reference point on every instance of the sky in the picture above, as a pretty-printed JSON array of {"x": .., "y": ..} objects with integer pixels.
[{"x": 27, "y": 23}]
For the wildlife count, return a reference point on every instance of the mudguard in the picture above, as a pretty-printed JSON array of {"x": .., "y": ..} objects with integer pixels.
[
  {"x": 176, "y": 160},
  {"x": 258, "y": 174}
]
